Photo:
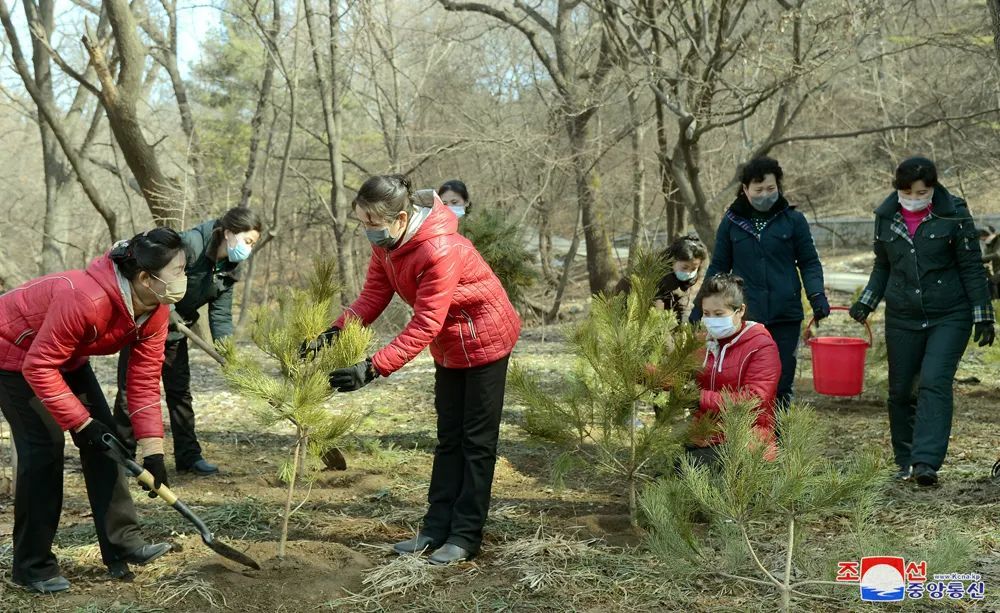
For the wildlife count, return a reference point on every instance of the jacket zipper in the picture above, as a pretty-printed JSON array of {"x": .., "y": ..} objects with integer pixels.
[
  {"x": 24, "y": 335},
  {"x": 472, "y": 327},
  {"x": 916, "y": 268}
]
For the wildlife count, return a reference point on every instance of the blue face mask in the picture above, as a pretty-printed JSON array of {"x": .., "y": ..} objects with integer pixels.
[
  {"x": 686, "y": 276},
  {"x": 240, "y": 251},
  {"x": 380, "y": 237},
  {"x": 459, "y": 211}
]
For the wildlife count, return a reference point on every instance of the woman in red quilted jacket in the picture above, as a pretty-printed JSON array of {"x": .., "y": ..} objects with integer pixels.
[
  {"x": 48, "y": 328},
  {"x": 461, "y": 312},
  {"x": 741, "y": 360}
]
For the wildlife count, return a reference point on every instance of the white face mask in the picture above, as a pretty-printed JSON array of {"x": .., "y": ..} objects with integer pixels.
[
  {"x": 915, "y": 205},
  {"x": 458, "y": 210},
  {"x": 719, "y": 327},
  {"x": 685, "y": 276}
]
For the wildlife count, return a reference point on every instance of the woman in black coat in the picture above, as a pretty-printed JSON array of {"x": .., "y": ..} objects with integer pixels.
[
  {"x": 928, "y": 267},
  {"x": 764, "y": 240}
]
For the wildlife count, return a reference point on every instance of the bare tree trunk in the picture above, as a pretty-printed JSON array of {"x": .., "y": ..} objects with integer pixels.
[
  {"x": 545, "y": 240},
  {"x": 263, "y": 96},
  {"x": 49, "y": 115},
  {"x": 638, "y": 179},
  {"x": 54, "y": 172},
  {"x": 553, "y": 313},
  {"x": 331, "y": 100},
  {"x": 600, "y": 266},
  {"x": 994, "y": 6},
  {"x": 120, "y": 98}
]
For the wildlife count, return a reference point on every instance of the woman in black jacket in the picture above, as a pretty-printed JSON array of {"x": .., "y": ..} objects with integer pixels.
[
  {"x": 215, "y": 253},
  {"x": 685, "y": 255},
  {"x": 767, "y": 242},
  {"x": 928, "y": 267}
]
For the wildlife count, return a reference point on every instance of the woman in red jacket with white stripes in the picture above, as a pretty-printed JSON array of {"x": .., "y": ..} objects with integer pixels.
[
  {"x": 741, "y": 360},
  {"x": 48, "y": 328},
  {"x": 460, "y": 311}
]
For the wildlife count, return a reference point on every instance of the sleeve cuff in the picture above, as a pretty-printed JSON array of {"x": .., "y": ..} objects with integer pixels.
[
  {"x": 869, "y": 299},
  {"x": 982, "y": 314},
  {"x": 150, "y": 446}
]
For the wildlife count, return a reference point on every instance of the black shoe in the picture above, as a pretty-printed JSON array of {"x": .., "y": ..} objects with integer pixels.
[
  {"x": 200, "y": 468},
  {"x": 49, "y": 586},
  {"x": 449, "y": 554},
  {"x": 904, "y": 474},
  {"x": 417, "y": 544},
  {"x": 120, "y": 570},
  {"x": 924, "y": 475},
  {"x": 147, "y": 553}
]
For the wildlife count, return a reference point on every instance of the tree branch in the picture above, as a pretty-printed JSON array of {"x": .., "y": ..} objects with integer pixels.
[
  {"x": 38, "y": 33},
  {"x": 532, "y": 36},
  {"x": 874, "y": 130}
]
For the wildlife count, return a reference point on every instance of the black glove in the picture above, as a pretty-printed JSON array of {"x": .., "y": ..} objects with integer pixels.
[
  {"x": 860, "y": 311},
  {"x": 154, "y": 464},
  {"x": 353, "y": 377},
  {"x": 820, "y": 306},
  {"x": 986, "y": 333},
  {"x": 308, "y": 349},
  {"x": 92, "y": 436}
]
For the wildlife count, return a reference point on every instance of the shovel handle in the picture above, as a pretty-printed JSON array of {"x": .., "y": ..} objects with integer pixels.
[
  {"x": 164, "y": 492},
  {"x": 119, "y": 454}
]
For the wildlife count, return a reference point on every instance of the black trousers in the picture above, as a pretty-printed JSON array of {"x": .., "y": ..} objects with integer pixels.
[
  {"x": 786, "y": 335},
  {"x": 922, "y": 365},
  {"x": 177, "y": 390},
  {"x": 468, "y": 402},
  {"x": 39, "y": 496}
]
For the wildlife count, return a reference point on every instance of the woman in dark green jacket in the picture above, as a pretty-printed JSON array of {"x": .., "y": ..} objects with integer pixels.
[
  {"x": 767, "y": 242},
  {"x": 928, "y": 267},
  {"x": 215, "y": 252}
]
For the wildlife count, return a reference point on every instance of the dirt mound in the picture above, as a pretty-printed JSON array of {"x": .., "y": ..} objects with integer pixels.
[
  {"x": 613, "y": 530},
  {"x": 310, "y": 573}
]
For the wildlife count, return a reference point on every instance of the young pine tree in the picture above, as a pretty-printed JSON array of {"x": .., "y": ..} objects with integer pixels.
[
  {"x": 500, "y": 244},
  {"x": 299, "y": 391},
  {"x": 630, "y": 356},
  {"x": 756, "y": 506}
]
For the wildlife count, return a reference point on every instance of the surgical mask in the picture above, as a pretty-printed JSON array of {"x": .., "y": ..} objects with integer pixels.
[
  {"x": 459, "y": 211},
  {"x": 915, "y": 205},
  {"x": 764, "y": 203},
  {"x": 719, "y": 327},
  {"x": 173, "y": 290},
  {"x": 241, "y": 250},
  {"x": 380, "y": 237},
  {"x": 685, "y": 276}
]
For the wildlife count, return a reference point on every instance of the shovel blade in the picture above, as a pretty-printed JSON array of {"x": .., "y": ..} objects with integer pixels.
[{"x": 232, "y": 554}]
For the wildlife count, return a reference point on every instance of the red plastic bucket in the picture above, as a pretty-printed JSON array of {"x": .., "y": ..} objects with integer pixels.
[{"x": 838, "y": 362}]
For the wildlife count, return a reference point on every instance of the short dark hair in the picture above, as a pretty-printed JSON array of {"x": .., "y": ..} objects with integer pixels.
[
  {"x": 686, "y": 248},
  {"x": 915, "y": 169},
  {"x": 241, "y": 219},
  {"x": 148, "y": 252},
  {"x": 384, "y": 196},
  {"x": 758, "y": 168},
  {"x": 456, "y": 186},
  {"x": 727, "y": 285}
]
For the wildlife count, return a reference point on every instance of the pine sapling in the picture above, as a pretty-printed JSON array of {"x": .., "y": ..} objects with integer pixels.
[
  {"x": 751, "y": 501},
  {"x": 630, "y": 356},
  {"x": 298, "y": 393}
]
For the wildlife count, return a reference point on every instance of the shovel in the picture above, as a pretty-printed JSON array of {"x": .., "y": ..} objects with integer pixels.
[{"x": 117, "y": 452}]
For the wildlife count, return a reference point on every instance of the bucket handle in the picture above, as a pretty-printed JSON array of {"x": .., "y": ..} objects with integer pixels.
[{"x": 812, "y": 322}]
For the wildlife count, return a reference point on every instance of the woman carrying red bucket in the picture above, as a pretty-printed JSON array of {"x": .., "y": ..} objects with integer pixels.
[{"x": 928, "y": 267}]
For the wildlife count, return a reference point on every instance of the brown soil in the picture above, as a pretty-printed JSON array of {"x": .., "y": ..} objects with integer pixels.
[
  {"x": 612, "y": 530},
  {"x": 310, "y": 573}
]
